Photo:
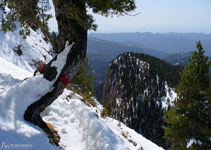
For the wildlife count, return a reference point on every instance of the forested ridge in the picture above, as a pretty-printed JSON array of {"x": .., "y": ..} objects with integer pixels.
[{"x": 134, "y": 91}]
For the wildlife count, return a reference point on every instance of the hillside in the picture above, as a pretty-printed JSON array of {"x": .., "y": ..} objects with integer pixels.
[
  {"x": 27, "y": 53},
  {"x": 136, "y": 90},
  {"x": 179, "y": 58}
]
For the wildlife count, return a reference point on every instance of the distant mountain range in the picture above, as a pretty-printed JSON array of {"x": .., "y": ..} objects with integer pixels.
[
  {"x": 108, "y": 48},
  {"x": 164, "y": 42}
]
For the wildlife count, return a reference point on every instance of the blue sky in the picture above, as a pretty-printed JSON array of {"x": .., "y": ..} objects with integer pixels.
[{"x": 159, "y": 16}]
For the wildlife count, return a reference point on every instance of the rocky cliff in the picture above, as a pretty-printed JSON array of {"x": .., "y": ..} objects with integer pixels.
[{"x": 137, "y": 89}]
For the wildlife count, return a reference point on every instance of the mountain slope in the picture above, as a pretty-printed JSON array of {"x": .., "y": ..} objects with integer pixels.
[
  {"x": 137, "y": 88},
  {"x": 33, "y": 49},
  {"x": 179, "y": 58},
  {"x": 26, "y": 53}
]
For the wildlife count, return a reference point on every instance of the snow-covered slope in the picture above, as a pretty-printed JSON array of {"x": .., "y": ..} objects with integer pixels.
[
  {"x": 11, "y": 74},
  {"x": 33, "y": 48},
  {"x": 83, "y": 128},
  {"x": 15, "y": 71},
  {"x": 80, "y": 127}
]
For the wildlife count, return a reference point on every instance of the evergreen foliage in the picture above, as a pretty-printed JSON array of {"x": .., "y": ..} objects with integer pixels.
[
  {"x": 32, "y": 13},
  {"x": 29, "y": 13},
  {"x": 53, "y": 40},
  {"x": 102, "y": 7},
  {"x": 189, "y": 118},
  {"x": 82, "y": 82}
]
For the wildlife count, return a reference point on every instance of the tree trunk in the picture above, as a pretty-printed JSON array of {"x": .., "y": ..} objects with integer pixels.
[{"x": 69, "y": 30}]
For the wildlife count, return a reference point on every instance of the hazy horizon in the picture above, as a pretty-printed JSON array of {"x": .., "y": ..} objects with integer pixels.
[
  {"x": 158, "y": 16},
  {"x": 90, "y": 32}
]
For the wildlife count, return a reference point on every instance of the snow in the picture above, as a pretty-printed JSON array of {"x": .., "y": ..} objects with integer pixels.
[
  {"x": 15, "y": 100},
  {"x": 13, "y": 70},
  {"x": 6, "y": 80},
  {"x": 169, "y": 98},
  {"x": 82, "y": 128},
  {"x": 118, "y": 101},
  {"x": 61, "y": 59},
  {"x": 11, "y": 74},
  {"x": 14, "y": 131},
  {"x": 141, "y": 142},
  {"x": 34, "y": 48},
  {"x": 191, "y": 142}
]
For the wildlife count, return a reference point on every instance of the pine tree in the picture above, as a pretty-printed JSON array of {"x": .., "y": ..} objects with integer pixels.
[
  {"x": 82, "y": 82},
  {"x": 54, "y": 42},
  {"x": 189, "y": 119}
]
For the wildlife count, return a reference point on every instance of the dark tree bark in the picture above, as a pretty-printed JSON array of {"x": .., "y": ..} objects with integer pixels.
[{"x": 69, "y": 30}]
